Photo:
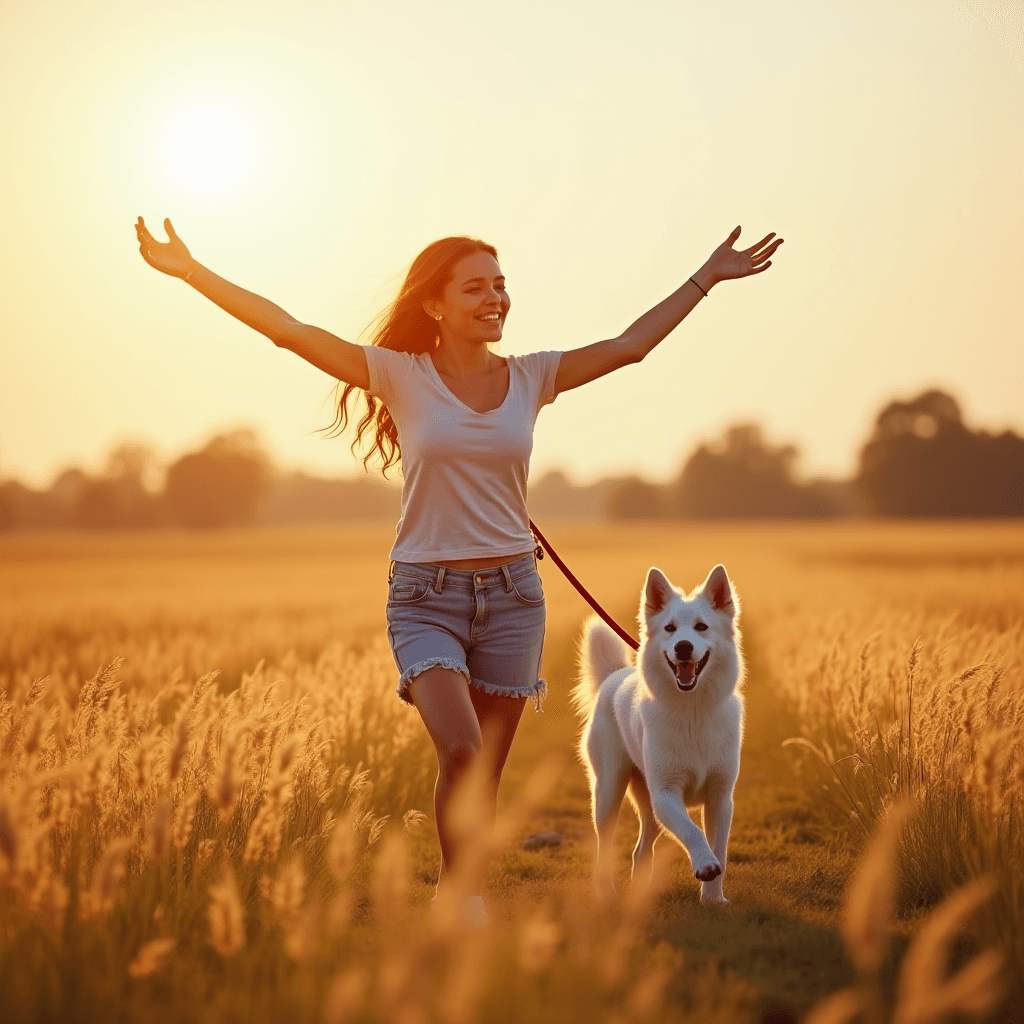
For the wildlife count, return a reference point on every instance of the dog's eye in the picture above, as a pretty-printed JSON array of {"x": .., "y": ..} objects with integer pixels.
[
  {"x": 700, "y": 626},
  {"x": 670, "y": 628}
]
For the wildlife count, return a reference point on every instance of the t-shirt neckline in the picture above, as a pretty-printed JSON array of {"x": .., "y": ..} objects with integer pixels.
[{"x": 455, "y": 398}]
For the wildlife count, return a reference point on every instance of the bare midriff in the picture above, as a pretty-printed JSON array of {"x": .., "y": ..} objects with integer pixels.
[{"x": 482, "y": 563}]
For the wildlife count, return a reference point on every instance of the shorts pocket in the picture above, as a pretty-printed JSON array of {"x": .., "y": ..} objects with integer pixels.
[
  {"x": 529, "y": 590},
  {"x": 407, "y": 590}
]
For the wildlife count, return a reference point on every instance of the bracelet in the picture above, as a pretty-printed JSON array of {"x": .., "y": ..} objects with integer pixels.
[{"x": 705, "y": 293}]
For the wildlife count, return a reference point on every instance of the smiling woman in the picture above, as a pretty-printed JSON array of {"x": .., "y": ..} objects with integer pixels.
[{"x": 208, "y": 146}]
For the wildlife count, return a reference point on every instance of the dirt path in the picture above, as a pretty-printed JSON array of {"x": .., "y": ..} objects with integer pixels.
[{"x": 784, "y": 883}]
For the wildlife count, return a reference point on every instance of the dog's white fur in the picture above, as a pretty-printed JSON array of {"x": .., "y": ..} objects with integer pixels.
[{"x": 672, "y": 749}]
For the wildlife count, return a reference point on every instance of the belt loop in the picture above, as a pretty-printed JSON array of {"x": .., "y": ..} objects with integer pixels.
[
  {"x": 391, "y": 571},
  {"x": 508, "y": 579},
  {"x": 440, "y": 579}
]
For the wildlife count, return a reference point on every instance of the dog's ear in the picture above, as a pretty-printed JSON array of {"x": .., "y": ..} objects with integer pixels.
[
  {"x": 657, "y": 591},
  {"x": 717, "y": 590}
]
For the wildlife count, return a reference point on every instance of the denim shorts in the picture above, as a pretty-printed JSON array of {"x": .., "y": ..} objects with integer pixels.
[{"x": 487, "y": 624}]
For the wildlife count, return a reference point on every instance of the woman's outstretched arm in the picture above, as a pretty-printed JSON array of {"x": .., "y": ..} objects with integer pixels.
[
  {"x": 333, "y": 355},
  {"x": 582, "y": 365}
]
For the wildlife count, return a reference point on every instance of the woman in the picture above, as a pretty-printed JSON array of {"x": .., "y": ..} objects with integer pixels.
[{"x": 465, "y": 607}]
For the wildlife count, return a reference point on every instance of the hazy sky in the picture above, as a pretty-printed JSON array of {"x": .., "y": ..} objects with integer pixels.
[{"x": 308, "y": 152}]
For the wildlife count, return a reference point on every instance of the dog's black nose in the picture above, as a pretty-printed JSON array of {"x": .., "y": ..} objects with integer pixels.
[{"x": 684, "y": 650}]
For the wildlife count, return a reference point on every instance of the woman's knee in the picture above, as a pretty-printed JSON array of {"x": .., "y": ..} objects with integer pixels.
[{"x": 456, "y": 752}]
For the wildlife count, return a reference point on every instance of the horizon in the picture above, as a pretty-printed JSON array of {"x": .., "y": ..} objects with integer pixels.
[
  {"x": 158, "y": 467},
  {"x": 605, "y": 156}
]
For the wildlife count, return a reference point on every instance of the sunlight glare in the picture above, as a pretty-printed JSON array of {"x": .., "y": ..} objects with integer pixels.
[{"x": 209, "y": 147}]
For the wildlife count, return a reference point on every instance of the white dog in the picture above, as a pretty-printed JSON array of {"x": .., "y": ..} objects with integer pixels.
[{"x": 670, "y": 728}]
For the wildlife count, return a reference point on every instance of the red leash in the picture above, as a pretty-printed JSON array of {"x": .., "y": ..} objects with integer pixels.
[{"x": 582, "y": 589}]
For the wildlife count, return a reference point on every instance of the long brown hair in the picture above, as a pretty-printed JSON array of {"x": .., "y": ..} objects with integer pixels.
[{"x": 404, "y": 326}]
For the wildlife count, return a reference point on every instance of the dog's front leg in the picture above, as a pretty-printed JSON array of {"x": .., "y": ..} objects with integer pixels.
[
  {"x": 609, "y": 789},
  {"x": 670, "y": 810},
  {"x": 717, "y": 823}
]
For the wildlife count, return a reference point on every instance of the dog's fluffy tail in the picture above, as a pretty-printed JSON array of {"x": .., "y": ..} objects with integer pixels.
[{"x": 601, "y": 653}]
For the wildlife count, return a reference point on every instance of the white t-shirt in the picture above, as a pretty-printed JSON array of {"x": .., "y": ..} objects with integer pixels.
[{"x": 464, "y": 491}]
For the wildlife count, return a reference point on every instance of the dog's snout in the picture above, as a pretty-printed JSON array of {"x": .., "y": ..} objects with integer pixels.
[{"x": 684, "y": 650}]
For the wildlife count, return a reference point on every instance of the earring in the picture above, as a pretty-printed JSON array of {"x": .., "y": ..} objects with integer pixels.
[{"x": 438, "y": 317}]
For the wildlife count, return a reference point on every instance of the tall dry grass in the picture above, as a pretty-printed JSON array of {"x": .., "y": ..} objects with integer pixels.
[
  {"x": 179, "y": 845},
  {"x": 127, "y": 817},
  {"x": 907, "y": 674},
  {"x": 189, "y": 853},
  {"x": 926, "y": 991}
]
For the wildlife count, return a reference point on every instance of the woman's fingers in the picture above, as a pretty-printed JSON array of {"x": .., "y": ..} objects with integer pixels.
[
  {"x": 761, "y": 256},
  {"x": 169, "y": 228},
  {"x": 757, "y": 245}
]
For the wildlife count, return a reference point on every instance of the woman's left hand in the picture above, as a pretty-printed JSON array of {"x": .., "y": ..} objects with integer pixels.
[{"x": 726, "y": 262}]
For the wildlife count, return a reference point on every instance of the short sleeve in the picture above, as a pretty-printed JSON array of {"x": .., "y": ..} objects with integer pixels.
[
  {"x": 541, "y": 368},
  {"x": 388, "y": 372}
]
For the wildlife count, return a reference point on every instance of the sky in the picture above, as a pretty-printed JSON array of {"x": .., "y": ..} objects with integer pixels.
[{"x": 309, "y": 151}]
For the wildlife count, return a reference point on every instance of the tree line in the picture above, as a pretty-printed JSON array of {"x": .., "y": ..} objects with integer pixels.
[{"x": 921, "y": 459}]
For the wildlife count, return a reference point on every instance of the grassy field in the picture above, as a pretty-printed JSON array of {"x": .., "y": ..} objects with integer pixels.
[{"x": 180, "y": 847}]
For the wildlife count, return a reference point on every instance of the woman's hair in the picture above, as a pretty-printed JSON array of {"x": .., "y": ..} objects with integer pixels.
[{"x": 404, "y": 326}]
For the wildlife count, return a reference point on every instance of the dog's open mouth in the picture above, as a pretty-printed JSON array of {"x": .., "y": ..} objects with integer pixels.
[{"x": 688, "y": 672}]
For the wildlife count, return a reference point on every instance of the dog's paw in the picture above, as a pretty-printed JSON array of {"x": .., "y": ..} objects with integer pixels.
[{"x": 707, "y": 871}]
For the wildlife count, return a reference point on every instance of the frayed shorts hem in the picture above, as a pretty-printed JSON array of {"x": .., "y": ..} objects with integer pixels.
[{"x": 538, "y": 691}]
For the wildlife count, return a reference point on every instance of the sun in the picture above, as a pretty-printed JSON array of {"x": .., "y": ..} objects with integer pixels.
[{"x": 210, "y": 146}]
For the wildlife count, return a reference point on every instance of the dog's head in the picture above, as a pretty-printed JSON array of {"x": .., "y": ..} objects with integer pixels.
[{"x": 683, "y": 635}]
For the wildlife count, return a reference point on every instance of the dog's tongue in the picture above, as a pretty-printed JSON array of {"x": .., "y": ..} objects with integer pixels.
[{"x": 685, "y": 671}]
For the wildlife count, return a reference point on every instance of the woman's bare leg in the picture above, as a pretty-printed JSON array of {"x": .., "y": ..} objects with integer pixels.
[
  {"x": 499, "y": 719},
  {"x": 464, "y": 723},
  {"x": 441, "y": 696}
]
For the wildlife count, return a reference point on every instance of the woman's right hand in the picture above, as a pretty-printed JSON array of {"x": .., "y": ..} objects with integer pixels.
[{"x": 168, "y": 257}]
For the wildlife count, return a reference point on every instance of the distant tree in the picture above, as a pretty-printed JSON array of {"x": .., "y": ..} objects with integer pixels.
[
  {"x": 22, "y": 508},
  {"x": 922, "y": 460},
  {"x": 554, "y": 496},
  {"x": 635, "y": 498},
  {"x": 743, "y": 476},
  {"x": 301, "y": 498},
  {"x": 115, "y": 503},
  {"x": 220, "y": 485},
  {"x": 120, "y": 498},
  {"x": 132, "y": 460}
]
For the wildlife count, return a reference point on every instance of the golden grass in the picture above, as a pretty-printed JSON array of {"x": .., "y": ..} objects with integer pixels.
[{"x": 178, "y": 844}]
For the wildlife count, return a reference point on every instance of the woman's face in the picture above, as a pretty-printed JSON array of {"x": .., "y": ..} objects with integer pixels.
[{"x": 474, "y": 304}]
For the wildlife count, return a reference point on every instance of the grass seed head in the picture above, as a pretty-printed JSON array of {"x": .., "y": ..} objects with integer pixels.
[
  {"x": 106, "y": 878},
  {"x": 227, "y": 923},
  {"x": 159, "y": 834},
  {"x": 151, "y": 957},
  {"x": 865, "y": 925},
  {"x": 184, "y": 816},
  {"x": 287, "y": 891},
  {"x": 179, "y": 749},
  {"x": 925, "y": 995}
]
